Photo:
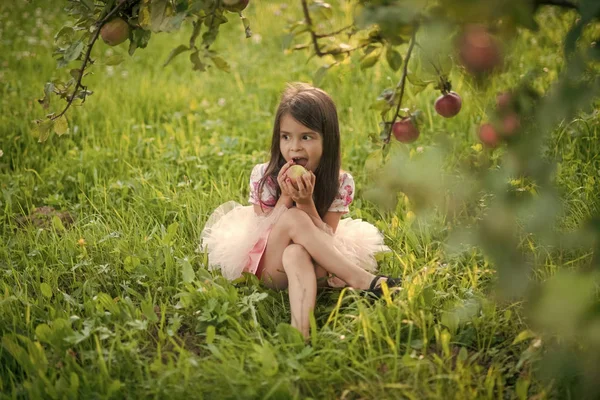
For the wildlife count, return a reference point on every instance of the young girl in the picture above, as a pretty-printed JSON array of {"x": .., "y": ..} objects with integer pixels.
[{"x": 292, "y": 236}]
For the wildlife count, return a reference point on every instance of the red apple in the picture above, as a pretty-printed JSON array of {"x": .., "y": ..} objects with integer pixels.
[
  {"x": 235, "y": 5},
  {"x": 488, "y": 135},
  {"x": 448, "y": 105},
  {"x": 479, "y": 50},
  {"x": 405, "y": 131},
  {"x": 503, "y": 101},
  {"x": 115, "y": 31},
  {"x": 510, "y": 124}
]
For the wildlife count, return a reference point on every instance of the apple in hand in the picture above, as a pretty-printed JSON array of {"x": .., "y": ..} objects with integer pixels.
[
  {"x": 405, "y": 130},
  {"x": 448, "y": 105},
  {"x": 294, "y": 172},
  {"x": 115, "y": 31}
]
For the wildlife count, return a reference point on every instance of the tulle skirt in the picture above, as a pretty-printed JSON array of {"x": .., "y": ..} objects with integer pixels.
[{"x": 235, "y": 239}]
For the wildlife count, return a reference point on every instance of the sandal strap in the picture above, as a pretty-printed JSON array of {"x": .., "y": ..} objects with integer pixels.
[{"x": 375, "y": 280}]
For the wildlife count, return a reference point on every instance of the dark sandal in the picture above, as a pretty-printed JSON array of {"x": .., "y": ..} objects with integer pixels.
[{"x": 377, "y": 291}]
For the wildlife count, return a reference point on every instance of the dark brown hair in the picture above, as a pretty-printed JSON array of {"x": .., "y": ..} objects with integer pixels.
[{"x": 313, "y": 108}]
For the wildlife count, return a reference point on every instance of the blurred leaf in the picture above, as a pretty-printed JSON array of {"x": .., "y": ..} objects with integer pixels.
[
  {"x": 220, "y": 63},
  {"x": 43, "y": 129},
  {"x": 175, "y": 52},
  {"x": 320, "y": 10},
  {"x": 48, "y": 90},
  {"x": 187, "y": 272},
  {"x": 61, "y": 126},
  {"x": 144, "y": 18},
  {"x": 210, "y": 334},
  {"x": 393, "y": 58},
  {"x": 198, "y": 65},
  {"x": 320, "y": 74},
  {"x": 247, "y": 29},
  {"x": 523, "y": 335},
  {"x": 370, "y": 59},
  {"x": 46, "y": 290},
  {"x": 64, "y": 36},
  {"x": 148, "y": 311}
]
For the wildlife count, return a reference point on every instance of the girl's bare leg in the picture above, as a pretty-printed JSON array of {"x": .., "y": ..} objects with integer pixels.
[
  {"x": 302, "y": 284},
  {"x": 295, "y": 226}
]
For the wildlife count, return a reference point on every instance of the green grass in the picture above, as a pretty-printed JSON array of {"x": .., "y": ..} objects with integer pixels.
[{"x": 106, "y": 307}]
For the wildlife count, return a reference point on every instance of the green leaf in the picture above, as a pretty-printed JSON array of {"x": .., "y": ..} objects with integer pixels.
[
  {"x": 320, "y": 74},
  {"x": 48, "y": 90},
  {"x": 175, "y": 52},
  {"x": 144, "y": 18},
  {"x": 46, "y": 289},
  {"x": 64, "y": 36},
  {"x": 187, "y": 272},
  {"x": 220, "y": 63},
  {"x": 247, "y": 29},
  {"x": 210, "y": 334},
  {"x": 43, "y": 129},
  {"x": 43, "y": 332},
  {"x": 198, "y": 65},
  {"x": 370, "y": 59},
  {"x": 73, "y": 51},
  {"x": 171, "y": 231},
  {"x": 61, "y": 126},
  {"x": 157, "y": 14},
  {"x": 148, "y": 311},
  {"x": 394, "y": 58},
  {"x": 523, "y": 335}
]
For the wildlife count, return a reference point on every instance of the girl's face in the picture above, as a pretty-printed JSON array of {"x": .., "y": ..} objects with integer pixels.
[{"x": 299, "y": 143}]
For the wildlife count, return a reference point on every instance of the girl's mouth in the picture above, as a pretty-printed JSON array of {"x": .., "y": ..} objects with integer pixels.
[{"x": 300, "y": 161}]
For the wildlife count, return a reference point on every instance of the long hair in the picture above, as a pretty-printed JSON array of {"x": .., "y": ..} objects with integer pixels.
[{"x": 313, "y": 108}]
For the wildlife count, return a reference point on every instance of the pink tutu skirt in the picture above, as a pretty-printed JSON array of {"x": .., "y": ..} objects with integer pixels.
[{"x": 235, "y": 239}]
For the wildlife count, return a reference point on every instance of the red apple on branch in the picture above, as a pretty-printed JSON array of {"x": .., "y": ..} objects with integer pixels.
[
  {"x": 115, "y": 32},
  {"x": 405, "y": 130},
  {"x": 448, "y": 104}
]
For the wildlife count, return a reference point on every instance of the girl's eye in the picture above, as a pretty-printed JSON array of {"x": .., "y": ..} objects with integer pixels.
[
  {"x": 284, "y": 137},
  {"x": 307, "y": 137}
]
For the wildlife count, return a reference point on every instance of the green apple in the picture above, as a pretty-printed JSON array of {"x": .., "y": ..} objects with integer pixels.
[{"x": 296, "y": 171}]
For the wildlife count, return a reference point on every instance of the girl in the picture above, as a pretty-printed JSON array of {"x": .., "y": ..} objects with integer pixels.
[{"x": 292, "y": 236}]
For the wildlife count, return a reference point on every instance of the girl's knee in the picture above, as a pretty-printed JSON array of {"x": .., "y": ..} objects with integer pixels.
[
  {"x": 295, "y": 254},
  {"x": 295, "y": 219}
]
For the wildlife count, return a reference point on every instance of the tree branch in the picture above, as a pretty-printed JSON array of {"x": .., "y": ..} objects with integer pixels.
[
  {"x": 401, "y": 85},
  {"x": 86, "y": 59},
  {"x": 313, "y": 35},
  {"x": 324, "y": 35}
]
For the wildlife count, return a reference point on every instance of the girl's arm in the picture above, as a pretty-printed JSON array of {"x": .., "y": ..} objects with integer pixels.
[{"x": 331, "y": 218}]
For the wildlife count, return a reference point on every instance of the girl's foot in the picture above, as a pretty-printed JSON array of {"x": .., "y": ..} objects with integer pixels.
[{"x": 375, "y": 287}]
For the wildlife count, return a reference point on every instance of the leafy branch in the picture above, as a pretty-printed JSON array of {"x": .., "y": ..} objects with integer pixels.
[
  {"x": 86, "y": 58},
  {"x": 315, "y": 37},
  {"x": 401, "y": 85}
]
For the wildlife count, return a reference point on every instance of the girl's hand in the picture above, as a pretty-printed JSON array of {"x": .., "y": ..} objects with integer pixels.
[
  {"x": 282, "y": 177},
  {"x": 306, "y": 187}
]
